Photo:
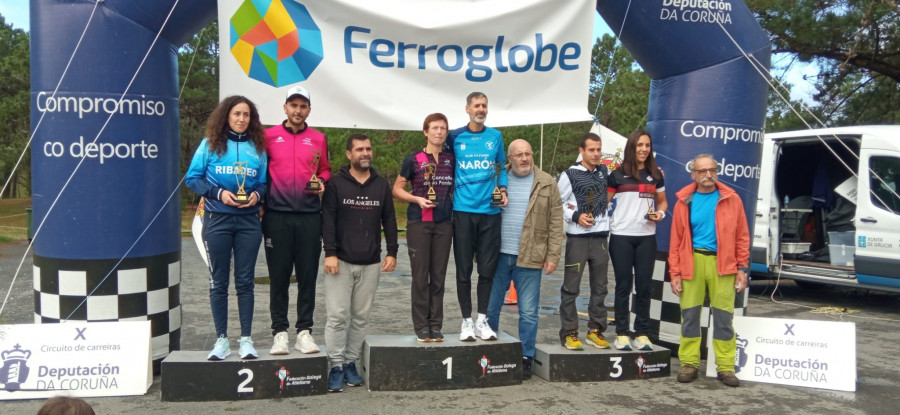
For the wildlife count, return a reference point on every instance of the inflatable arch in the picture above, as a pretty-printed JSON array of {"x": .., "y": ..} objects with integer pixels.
[{"x": 705, "y": 96}]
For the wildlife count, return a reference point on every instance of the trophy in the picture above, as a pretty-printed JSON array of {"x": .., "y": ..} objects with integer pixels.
[
  {"x": 240, "y": 176},
  {"x": 314, "y": 185},
  {"x": 430, "y": 169},
  {"x": 588, "y": 212},
  {"x": 651, "y": 213},
  {"x": 496, "y": 196}
]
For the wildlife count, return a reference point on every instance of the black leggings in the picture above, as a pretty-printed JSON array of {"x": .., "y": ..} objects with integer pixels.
[
  {"x": 637, "y": 253},
  {"x": 475, "y": 236}
]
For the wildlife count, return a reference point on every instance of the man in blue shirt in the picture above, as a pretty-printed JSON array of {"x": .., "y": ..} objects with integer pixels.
[{"x": 478, "y": 150}]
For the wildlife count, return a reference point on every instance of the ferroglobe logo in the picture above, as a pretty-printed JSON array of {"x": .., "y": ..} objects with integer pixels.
[
  {"x": 275, "y": 42},
  {"x": 481, "y": 61}
]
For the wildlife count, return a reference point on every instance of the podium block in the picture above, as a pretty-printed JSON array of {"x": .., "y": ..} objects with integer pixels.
[
  {"x": 400, "y": 363},
  {"x": 555, "y": 363},
  {"x": 188, "y": 376}
]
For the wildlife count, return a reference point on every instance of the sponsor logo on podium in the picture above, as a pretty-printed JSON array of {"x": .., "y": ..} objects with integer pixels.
[
  {"x": 740, "y": 357},
  {"x": 484, "y": 362},
  {"x": 282, "y": 374},
  {"x": 15, "y": 368}
]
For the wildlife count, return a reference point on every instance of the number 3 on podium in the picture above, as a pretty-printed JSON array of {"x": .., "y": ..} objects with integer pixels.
[{"x": 617, "y": 366}]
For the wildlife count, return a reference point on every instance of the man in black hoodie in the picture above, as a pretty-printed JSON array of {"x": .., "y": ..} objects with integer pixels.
[{"x": 356, "y": 205}]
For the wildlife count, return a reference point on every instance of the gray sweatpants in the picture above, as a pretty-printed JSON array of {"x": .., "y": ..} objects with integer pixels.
[
  {"x": 348, "y": 299},
  {"x": 580, "y": 251}
]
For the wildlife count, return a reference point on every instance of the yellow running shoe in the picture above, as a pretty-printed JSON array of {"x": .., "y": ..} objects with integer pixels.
[
  {"x": 642, "y": 343},
  {"x": 595, "y": 338},
  {"x": 571, "y": 341},
  {"x": 623, "y": 342}
]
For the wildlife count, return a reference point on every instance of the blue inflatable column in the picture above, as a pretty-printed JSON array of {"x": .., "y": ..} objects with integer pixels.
[
  {"x": 705, "y": 97},
  {"x": 126, "y": 176}
]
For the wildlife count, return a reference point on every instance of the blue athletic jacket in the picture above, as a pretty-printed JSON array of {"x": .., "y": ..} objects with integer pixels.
[
  {"x": 210, "y": 173},
  {"x": 475, "y": 178}
]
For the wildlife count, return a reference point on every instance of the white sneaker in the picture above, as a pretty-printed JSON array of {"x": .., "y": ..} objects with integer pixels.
[
  {"x": 483, "y": 331},
  {"x": 220, "y": 351},
  {"x": 247, "y": 349},
  {"x": 467, "y": 331},
  {"x": 280, "y": 344},
  {"x": 305, "y": 343}
]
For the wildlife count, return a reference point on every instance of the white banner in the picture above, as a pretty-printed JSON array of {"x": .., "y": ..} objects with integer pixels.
[
  {"x": 75, "y": 359},
  {"x": 818, "y": 354},
  {"x": 386, "y": 64}
]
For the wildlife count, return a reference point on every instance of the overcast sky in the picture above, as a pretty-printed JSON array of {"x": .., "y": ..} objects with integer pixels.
[{"x": 15, "y": 12}]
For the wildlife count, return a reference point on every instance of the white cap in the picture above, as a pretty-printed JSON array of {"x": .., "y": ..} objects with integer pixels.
[{"x": 297, "y": 90}]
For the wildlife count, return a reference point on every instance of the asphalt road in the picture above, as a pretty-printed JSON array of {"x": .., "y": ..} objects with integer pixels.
[{"x": 878, "y": 345}]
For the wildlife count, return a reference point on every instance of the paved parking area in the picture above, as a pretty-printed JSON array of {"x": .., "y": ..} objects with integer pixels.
[{"x": 878, "y": 348}]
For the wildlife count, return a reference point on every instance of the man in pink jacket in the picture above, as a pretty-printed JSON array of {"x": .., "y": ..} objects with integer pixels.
[
  {"x": 292, "y": 224},
  {"x": 709, "y": 248}
]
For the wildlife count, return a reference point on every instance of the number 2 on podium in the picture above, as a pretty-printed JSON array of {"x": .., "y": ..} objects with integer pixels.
[
  {"x": 242, "y": 387},
  {"x": 449, "y": 363}
]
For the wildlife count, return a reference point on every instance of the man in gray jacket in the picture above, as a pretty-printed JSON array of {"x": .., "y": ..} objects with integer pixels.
[{"x": 534, "y": 214}]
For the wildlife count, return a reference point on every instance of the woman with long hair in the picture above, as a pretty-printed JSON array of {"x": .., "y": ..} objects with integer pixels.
[
  {"x": 229, "y": 171},
  {"x": 639, "y": 189},
  {"x": 429, "y": 230}
]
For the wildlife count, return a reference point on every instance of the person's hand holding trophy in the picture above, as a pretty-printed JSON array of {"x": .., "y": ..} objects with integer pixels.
[
  {"x": 315, "y": 185},
  {"x": 652, "y": 214},
  {"x": 241, "y": 198},
  {"x": 587, "y": 214},
  {"x": 497, "y": 195},
  {"x": 430, "y": 196}
]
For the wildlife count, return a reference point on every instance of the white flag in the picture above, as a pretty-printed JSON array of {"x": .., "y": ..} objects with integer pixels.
[{"x": 386, "y": 64}]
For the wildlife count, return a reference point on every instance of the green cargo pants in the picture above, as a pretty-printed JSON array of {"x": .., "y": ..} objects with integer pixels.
[{"x": 721, "y": 301}]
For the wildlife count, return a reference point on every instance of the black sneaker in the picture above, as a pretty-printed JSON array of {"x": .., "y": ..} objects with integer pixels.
[
  {"x": 526, "y": 367},
  {"x": 437, "y": 336},
  {"x": 423, "y": 335}
]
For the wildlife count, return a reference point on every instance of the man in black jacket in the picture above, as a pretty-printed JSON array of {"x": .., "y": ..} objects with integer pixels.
[{"x": 356, "y": 205}]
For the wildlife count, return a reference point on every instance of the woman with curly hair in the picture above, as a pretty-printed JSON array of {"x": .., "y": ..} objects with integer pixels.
[
  {"x": 229, "y": 171},
  {"x": 639, "y": 190}
]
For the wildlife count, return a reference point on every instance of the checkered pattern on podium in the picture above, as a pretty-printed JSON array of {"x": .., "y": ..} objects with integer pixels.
[
  {"x": 141, "y": 289},
  {"x": 665, "y": 311}
]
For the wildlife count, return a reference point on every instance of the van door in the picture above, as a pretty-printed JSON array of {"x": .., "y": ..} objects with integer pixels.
[
  {"x": 768, "y": 205},
  {"x": 878, "y": 217},
  {"x": 758, "y": 249}
]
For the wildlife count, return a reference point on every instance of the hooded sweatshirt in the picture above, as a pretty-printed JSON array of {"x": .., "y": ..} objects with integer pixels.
[{"x": 353, "y": 215}]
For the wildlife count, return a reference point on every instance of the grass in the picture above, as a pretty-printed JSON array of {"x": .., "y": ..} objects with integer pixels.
[
  {"x": 14, "y": 221},
  {"x": 188, "y": 212}
]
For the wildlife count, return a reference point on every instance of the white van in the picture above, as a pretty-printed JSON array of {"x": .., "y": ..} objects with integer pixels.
[{"x": 828, "y": 210}]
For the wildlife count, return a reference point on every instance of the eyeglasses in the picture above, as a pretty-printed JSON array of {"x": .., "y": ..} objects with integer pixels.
[
  {"x": 521, "y": 155},
  {"x": 704, "y": 172}
]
